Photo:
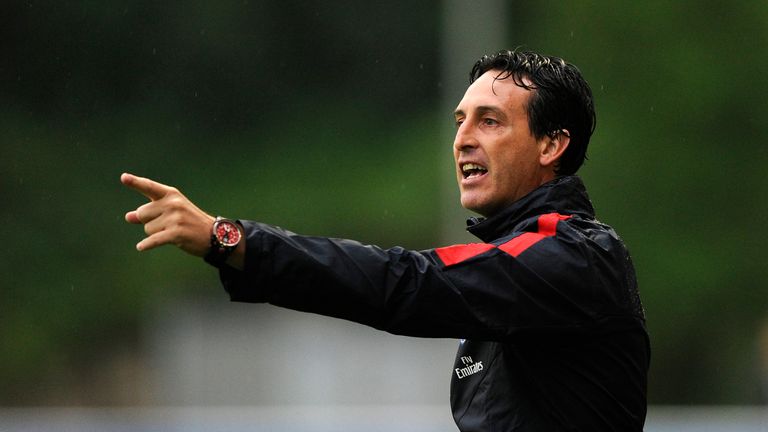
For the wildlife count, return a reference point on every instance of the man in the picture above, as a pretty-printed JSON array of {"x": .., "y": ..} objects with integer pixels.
[{"x": 551, "y": 328}]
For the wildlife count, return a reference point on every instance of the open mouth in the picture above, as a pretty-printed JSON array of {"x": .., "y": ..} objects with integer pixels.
[{"x": 470, "y": 170}]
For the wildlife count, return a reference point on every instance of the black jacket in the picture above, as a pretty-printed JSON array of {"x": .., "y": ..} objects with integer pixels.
[{"x": 552, "y": 332}]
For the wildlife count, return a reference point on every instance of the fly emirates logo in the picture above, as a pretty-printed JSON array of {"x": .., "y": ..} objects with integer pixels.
[{"x": 470, "y": 367}]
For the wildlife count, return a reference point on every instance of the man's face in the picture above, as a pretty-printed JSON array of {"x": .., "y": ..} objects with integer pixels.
[{"x": 497, "y": 157}]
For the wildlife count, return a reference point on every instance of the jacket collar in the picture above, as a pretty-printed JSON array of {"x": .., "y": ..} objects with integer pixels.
[{"x": 565, "y": 195}]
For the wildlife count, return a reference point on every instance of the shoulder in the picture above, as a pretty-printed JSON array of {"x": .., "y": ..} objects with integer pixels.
[{"x": 553, "y": 233}]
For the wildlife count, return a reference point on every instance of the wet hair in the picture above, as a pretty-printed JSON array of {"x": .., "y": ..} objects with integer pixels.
[{"x": 561, "y": 99}]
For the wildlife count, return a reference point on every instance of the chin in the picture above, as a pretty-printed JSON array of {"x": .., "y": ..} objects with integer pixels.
[{"x": 473, "y": 206}]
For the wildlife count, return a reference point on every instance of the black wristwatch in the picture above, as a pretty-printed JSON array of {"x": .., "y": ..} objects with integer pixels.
[{"x": 225, "y": 236}]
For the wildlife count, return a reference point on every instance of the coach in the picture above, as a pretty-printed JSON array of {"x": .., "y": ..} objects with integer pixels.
[{"x": 546, "y": 308}]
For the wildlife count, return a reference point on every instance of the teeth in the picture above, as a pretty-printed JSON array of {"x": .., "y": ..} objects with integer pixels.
[{"x": 472, "y": 167}]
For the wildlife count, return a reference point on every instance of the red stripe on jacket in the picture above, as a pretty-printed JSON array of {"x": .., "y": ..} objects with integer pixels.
[{"x": 547, "y": 227}]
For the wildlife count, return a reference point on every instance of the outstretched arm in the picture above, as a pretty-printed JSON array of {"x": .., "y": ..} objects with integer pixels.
[{"x": 171, "y": 218}]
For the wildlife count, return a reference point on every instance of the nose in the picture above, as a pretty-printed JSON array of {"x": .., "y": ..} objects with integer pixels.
[{"x": 465, "y": 138}]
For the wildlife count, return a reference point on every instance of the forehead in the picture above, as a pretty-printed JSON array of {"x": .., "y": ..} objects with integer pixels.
[{"x": 490, "y": 91}]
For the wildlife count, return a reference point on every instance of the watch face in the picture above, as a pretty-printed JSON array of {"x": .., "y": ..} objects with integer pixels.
[{"x": 227, "y": 233}]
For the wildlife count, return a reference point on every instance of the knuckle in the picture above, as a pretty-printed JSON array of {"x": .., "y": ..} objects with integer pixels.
[
  {"x": 175, "y": 219},
  {"x": 176, "y": 203}
]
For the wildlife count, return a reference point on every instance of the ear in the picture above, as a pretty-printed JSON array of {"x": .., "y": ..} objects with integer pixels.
[{"x": 553, "y": 146}]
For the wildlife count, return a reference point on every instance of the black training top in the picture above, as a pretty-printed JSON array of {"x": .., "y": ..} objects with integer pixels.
[{"x": 552, "y": 332}]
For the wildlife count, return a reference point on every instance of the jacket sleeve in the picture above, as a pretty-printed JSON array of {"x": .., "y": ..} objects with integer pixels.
[{"x": 488, "y": 296}]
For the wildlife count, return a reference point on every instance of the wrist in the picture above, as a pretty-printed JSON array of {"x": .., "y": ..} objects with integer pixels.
[
  {"x": 226, "y": 236},
  {"x": 237, "y": 259}
]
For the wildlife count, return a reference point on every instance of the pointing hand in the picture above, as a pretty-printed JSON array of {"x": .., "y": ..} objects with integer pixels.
[{"x": 169, "y": 217}]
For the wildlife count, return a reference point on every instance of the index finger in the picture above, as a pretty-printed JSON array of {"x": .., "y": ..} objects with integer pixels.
[{"x": 149, "y": 188}]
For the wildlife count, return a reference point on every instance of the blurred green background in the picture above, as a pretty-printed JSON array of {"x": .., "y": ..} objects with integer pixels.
[{"x": 326, "y": 118}]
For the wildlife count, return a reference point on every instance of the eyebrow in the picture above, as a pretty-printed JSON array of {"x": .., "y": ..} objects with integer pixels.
[{"x": 483, "y": 109}]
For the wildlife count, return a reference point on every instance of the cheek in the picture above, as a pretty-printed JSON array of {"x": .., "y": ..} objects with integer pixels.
[
  {"x": 512, "y": 161},
  {"x": 523, "y": 156},
  {"x": 514, "y": 167}
]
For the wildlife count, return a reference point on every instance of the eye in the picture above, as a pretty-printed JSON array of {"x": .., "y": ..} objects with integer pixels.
[
  {"x": 488, "y": 121},
  {"x": 458, "y": 122}
]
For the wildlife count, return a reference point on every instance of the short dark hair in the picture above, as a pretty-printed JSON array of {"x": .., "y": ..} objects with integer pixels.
[{"x": 561, "y": 99}]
